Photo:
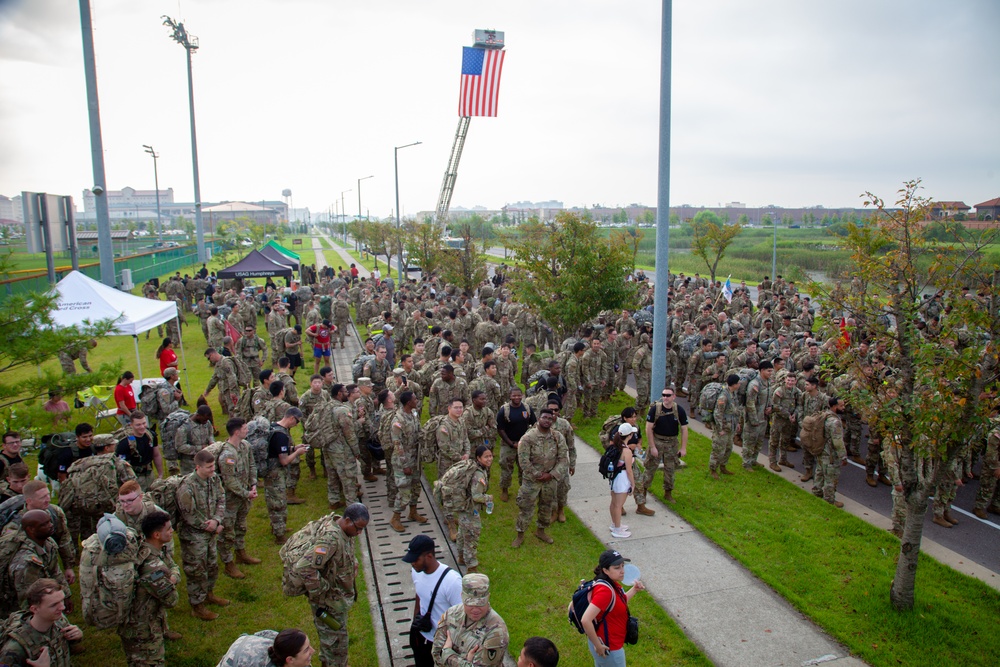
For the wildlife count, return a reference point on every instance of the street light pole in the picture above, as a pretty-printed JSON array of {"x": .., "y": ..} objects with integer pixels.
[
  {"x": 774, "y": 249},
  {"x": 660, "y": 304},
  {"x": 156, "y": 182},
  {"x": 399, "y": 233},
  {"x": 343, "y": 212},
  {"x": 190, "y": 44},
  {"x": 359, "y": 195}
]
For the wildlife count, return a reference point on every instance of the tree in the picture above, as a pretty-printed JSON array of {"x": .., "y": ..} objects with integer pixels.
[
  {"x": 647, "y": 217},
  {"x": 767, "y": 221},
  {"x": 935, "y": 395},
  {"x": 744, "y": 219},
  {"x": 620, "y": 217},
  {"x": 568, "y": 273},
  {"x": 630, "y": 237},
  {"x": 711, "y": 239},
  {"x": 423, "y": 244},
  {"x": 465, "y": 266}
]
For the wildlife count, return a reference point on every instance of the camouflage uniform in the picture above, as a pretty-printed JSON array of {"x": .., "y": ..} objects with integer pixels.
[
  {"x": 441, "y": 394},
  {"x": 405, "y": 441},
  {"x": 155, "y": 592},
  {"x": 216, "y": 332},
  {"x": 68, "y": 356},
  {"x": 237, "y": 470},
  {"x": 378, "y": 372},
  {"x": 340, "y": 451},
  {"x": 785, "y": 404},
  {"x": 253, "y": 351},
  {"x": 591, "y": 375},
  {"x": 890, "y": 453},
  {"x": 224, "y": 375},
  {"x": 642, "y": 368},
  {"x": 988, "y": 497},
  {"x": 24, "y": 642},
  {"x": 505, "y": 374},
  {"x": 342, "y": 320},
  {"x": 481, "y": 427},
  {"x": 609, "y": 368},
  {"x": 564, "y": 427},
  {"x": 573, "y": 385},
  {"x": 755, "y": 419},
  {"x": 83, "y": 524},
  {"x": 198, "y": 501},
  {"x": 291, "y": 391},
  {"x": 308, "y": 402},
  {"x": 726, "y": 417},
  {"x": 492, "y": 389},
  {"x": 190, "y": 439},
  {"x": 31, "y": 562},
  {"x": 828, "y": 468},
  {"x": 366, "y": 433},
  {"x": 135, "y": 523},
  {"x": 486, "y": 639},
  {"x": 61, "y": 536},
  {"x": 540, "y": 453},
  {"x": 276, "y": 492},
  {"x": 812, "y": 405},
  {"x": 259, "y": 400},
  {"x": 327, "y": 571},
  {"x": 470, "y": 524},
  {"x": 452, "y": 445}
]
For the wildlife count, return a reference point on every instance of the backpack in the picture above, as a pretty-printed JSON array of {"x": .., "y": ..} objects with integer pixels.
[
  {"x": 608, "y": 428},
  {"x": 10, "y": 512},
  {"x": 299, "y": 545},
  {"x": 581, "y": 600},
  {"x": 48, "y": 457},
  {"x": 163, "y": 492},
  {"x": 706, "y": 401},
  {"x": 278, "y": 340},
  {"x": 535, "y": 382},
  {"x": 452, "y": 490},
  {"x": 107, "y": 582},
  {"x": 244, "y": 406},
  {"x": 250, "y": 650},
  {"x": 608, "y": 465},
  {"x": 91, "y": 487},
  {"x": 812, "y": 437},
  {"x": 358, "y": 369},
  {"x": 689, "y": 344},
  {"x": 326, "y": 307},
  {"x": 215, "y": 449},
  {"x": 149, "y": 401},
  {"x": 428, "y": 438},
  {"x": 747, "y": 375},
  {"x": 259, "y": 436},
  {"x": 168, "y": 432}
]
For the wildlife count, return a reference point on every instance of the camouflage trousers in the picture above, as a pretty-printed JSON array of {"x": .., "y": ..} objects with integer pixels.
[
  {"x": 390, "y": 477},
  {"x": 562, "y": 492},
  {"x": 987, "y": 496},
  {"x": 228, "y": 400},
  {"x": 525, "y": 335},
  {"x": 80, "y": 527},
  {"x": 898, "y": 510},
  {"x": 508, "y": 459},
  {"x": 569, "y": 404},
  {"x": 469, "y": 527},
  {"x": 621, "y": 377},
  {"x": 407, "y": 489},
  {"x": 276, "y": 498},
  {"x": 332, "y": 643},
  {"x": 666, "y": 453},
  {"x": 341, "y": 474},
  {"x": 200, "y": 556},
  {"x": 145, "y": 479},
  {"x": 782, "y": 431},
  {"x": 590, "y": 398},
  {"x": 874, "y": 461},
  {"x": 722, "y": 448},
  {"x": 340, "y": 335},
  {"x": 852, "y": 433},
  {"x": 365, "y": 458},
  {"x": 642, "y": 388},
  {"x": 234, "y": 526},
  {"x": 530, "y": 493},
  {"x": 204, "y": 329},
  {"x": 142, "y": 641},
  {"x": 694, "y": 390},
  {"x": 753, "y": 440},
  {"x": 827, "y": 473},
  {"x": 944, "y": 493},
  {"x": 159, "y": 332},
  {"x": 311, "y": 460},
  {"x": 293, "y": 472},
  {"x": 255, "y": 367}
]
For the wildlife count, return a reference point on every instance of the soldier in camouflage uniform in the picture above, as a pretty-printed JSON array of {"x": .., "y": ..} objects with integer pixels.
[
  {"x": 334, "y": 424},
  {"x": 341, "y": 319},
  {"x": 452, "y": 447},
  {"x": 224, "y": 375},
  {"x": 405, "y": 452},
  {"x": 470, "y": 525},
  {"x": 488, "y": 384},
  {"x": 284, "y": 376},
  {"x": 480, "y": 422},
  {"x": 237, "y": 471},
  {"x": 308, "y": 403},
  {"x": 834, "y": 454},
  {"x": 192, "y": 437},
  {"x": 506, "y": 365},
  {"x": 786, "y": 413},
  {"x": 592, "y": 377},
  {"x": 37, "y": 497},
  {"x": 987, "y": 500},
  {"x": 755, "y": 415},
  {"x": 445, "y": 389},
  {"x": 566, "y": 429},
  {"x": 68, "y": 357},
  {"x": 610, "y": 363},
  {"x": 544, "y": 460},
  {"x": 726, "y": 417},
  {"x": 37, "y": 557},
  {"x": 201, "y": 503},
  {"x": 364, "y": 414},
  {"x": 642, "y": 368},
  {"x": 252, "y": 349},
  {"x": 41, "y": 628},
  {"x": 813, "y": 402},
  {"x": 145, "y": 628},
  {"x": 890, "y": 459},
  {"x": 327, "y": 570},
  {"x": 378, "y": 369},
  {"x": 471, "y": 634},
  {"x": 281, "y": 452},
  {"x": 216, "y": 328},
  {"x": 574, "y": 379}
]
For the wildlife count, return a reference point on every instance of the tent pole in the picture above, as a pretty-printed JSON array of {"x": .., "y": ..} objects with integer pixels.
[
  {"x": 187, "y": 378},
  {"x": 138, "y": 364}
]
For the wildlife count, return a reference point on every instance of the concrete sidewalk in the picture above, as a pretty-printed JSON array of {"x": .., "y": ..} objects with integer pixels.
[{"x": 736, "y": 619}]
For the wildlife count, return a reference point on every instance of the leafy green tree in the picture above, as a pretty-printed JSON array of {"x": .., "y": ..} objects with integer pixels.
[
  {"x": 744, "y": 219},
  {"x": 675, "y": 220},
  {"x": 465, "y": 266},
  {"x": 711, "y": 239},
  {"x": 787, "y": 220},
  {"x": 620, "y": 217},
  {"x": 568, "y": 273},
  {"x": 647, "y": 217},
  {"x": 423, "y": 244},
  {"x": 767, "y": 220},
  {"x": 935, "y": 396}
]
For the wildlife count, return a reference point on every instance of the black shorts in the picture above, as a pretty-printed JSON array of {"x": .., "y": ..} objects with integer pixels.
[{"x": 294, "y": 360}]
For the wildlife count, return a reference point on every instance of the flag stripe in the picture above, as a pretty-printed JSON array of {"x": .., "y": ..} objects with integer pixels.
[{"x": 479, "y": 93}]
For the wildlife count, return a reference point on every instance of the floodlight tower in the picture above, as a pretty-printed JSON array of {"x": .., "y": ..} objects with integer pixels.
[
  {"x": 156, "y": 183},
  {"x": 190, "y": 44}
]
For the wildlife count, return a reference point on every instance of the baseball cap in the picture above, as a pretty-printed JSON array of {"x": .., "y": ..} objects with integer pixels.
[
  {"x": 419, "y": 545},
  {"x": 611, "y": 558},
  {"x": 626, "y": 429},
  {"x": 387, "y": 327}
]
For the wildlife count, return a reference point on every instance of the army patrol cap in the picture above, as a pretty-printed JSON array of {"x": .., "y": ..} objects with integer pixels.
[
  {"x": 398, "y": 371},
  {"x": 476, "y": 590},
  {"x": 103, "y": 440},
  {"x": 364, "y": 382}
]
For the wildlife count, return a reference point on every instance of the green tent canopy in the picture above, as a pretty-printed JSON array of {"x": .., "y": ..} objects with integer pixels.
[{"x": 283, "y": 250}]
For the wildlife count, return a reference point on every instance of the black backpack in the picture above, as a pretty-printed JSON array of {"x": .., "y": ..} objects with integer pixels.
[
  {"x": 608, "y": 465},
  {"x": 52, "y": 446},
  {"x": 580, "y": 602}
]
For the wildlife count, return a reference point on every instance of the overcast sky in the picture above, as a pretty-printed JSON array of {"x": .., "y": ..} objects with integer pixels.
[{"x": 776, "y": 101}]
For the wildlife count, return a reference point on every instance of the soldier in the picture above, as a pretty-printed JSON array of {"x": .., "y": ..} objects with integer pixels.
[
  {"x": 452, "y": 447},
  {"x": 665, "y": 421},
  {"x": 293, "y": 348},
  {"x": 201, "y": 503},
  {"x": 308, "y": 403},
  {"x": 326, "y": 572},
  {"x": 786, "y": 411},
  {"x": 238, "y": 474},
  {"x": 834, "y": 454},
  {"x": 405, "y": 442},
  {"x": 36, "y": 497},
  {"x": 341, "y": 319},
  {"x": 281, "y": 452},
  {"x": 566, "y": 429},
  {"x": 143, "y": 631},
  {"x": 487, "y": 383},
  {"x": 133, "y": 506},
  {"x": 756, "y": 414},
  {"x": 15, "y": 477},
  {"x": 987, "y": 500},
  {"x": 224, "y": 375},
  {"x": 592, "y": 377},
  {"x": 574, "y": 381},
  {"x": 262, "y": 395},
  {"x": 83, "y": 520},
  {"x": 610, "y": 363},
  {"x": 365, "y": 422},
  {"x": 470, "y": 524},
  {"x": 334, "y": 423},
  {"x": 285, "y": 377},
  {"x": 193, "y": 436},
  {"x": 480, "y": 422},
  {"x": 252, "y": 349},
  {"x": 36, "y": 557},
  {"x": 471, "y": 634},
  {"x": 544, "y": 460},
  {"x": 726, "y": 417},
  {"x": 68, "y": 357},
  {"x": 41, "y": 635},
  {"x": 203, "y": 311},
  {"x": 141, "y": 450},
  {"x": 216, "y": 328},
  {"x": 276, "y": 405},
  {"x": 813, "y": 402},
  {"x": 445, "y": 389},
  {"x": 276, "y": 321},
  {"x": 513, "y": 421}
]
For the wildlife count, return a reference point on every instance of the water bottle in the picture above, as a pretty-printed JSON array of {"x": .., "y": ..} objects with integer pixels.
[
  {"x": 489, "y": 506},
  {"x": 327, "y": 619}
]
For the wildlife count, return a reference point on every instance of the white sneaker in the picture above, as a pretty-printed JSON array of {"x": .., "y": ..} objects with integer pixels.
[
  {"x": 623, "y": 527},
  {"x": 621, "y": 533}
]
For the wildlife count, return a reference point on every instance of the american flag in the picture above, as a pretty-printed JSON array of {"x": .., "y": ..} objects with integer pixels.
[{"x": 481, "y": 70}]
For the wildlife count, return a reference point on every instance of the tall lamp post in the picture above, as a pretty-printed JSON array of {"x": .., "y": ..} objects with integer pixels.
[
  {"x": 399, "y": 257},
  {"x": 774, "y": 248},
  {"x": 156, "y": 182},
  {"x": 365, "y": 178},
  {"x": 190, "y": 44},
  {"x": 343, "y": 212}
]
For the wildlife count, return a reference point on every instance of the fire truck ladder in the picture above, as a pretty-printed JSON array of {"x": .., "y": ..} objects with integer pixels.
[{"x": 451, "y": 173}]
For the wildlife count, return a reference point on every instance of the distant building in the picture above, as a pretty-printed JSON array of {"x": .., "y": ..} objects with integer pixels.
[
  {"x": 988, "y": 210},
  {"x": 227, "y": 211},
  {"x": 11, "y": 212},
  {"x": 948, "y": 209},
  {"x": 128, "y": 199}
]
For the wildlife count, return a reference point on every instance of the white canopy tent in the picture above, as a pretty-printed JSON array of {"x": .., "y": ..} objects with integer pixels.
[{"x": 83, "y": 299}]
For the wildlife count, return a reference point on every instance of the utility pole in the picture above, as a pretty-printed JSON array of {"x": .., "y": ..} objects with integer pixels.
[
  {"x": 399, "y": 259},
  {"x": 359, "y": 198},
  {"x": 774, "y": 249},
  {"x": 156, "y": 182},
  {"x": 104, "y": 250},
  {"x": 660, "y": 305},
  {"x": 190, "y": 44}
]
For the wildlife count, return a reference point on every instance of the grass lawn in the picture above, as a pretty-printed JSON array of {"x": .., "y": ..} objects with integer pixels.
[{"x": 831, "y": 565}]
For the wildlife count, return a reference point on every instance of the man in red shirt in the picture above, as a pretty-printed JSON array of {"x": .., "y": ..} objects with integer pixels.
[
  {"x": 319, "y": 335},
  {"x": 354, "y": 274}
]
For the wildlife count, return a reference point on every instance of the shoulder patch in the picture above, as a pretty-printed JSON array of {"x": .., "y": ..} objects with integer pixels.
[
  {"x": 230, "y": 461},
  {"x": 321, "y": 550}
]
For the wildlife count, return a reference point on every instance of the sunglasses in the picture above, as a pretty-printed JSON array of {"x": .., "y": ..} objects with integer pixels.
[{"x": 667, "y": 395}]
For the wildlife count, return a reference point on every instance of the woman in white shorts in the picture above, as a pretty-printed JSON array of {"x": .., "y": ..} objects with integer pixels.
[{"x": 624, "y": 481}]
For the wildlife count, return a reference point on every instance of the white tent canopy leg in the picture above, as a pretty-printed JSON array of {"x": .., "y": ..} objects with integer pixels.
[
  {"x": 138, "y": 364},
  {"x": 180, "y": 341}
]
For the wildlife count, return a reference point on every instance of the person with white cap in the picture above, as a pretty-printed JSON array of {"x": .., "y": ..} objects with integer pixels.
[{"x": 623, "y": 481}]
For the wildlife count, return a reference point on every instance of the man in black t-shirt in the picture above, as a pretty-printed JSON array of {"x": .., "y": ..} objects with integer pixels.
[
  {"x": 141, "y": 450},
  {"x": 513, "y": 421},
  {"x": 281, "y": 452},
  {"x": 84, "y": 441},
  {"x": 665, "y": 421},
  {"x": 11, "y": 452}
]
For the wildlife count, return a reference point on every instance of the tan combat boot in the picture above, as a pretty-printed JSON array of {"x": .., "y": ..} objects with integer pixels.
[
  {"x": 212, "y": 598},
  {"x": 243, "y": 557},
  {"x": 415, "y": 516},
  {"x": 518, "y": 541},
  {"x": 949, "y": 518},
  {"x": 775, "y": 467},
  {"x": 280, "y": 539},
  {"x": 543, "y": 536},
  {"x": 471, "y": 570},
  {"x": 232, "y": 571},
  {"x": 645, "y": 511},
  {"x": 201, "y": 612},
  {"x": 504, "y": 496},
  {"x": 726, "y": 471},
  {"x": 561, "y": 515},
  {"x": 395, "y": 523},
  {"x": 453, "y": 530},
  {"x": 808, "y": 476},
  {"x": 293, "y": 499}
]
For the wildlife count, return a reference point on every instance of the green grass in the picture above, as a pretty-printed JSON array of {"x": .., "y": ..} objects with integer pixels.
[{"x": 829, "y": 564}]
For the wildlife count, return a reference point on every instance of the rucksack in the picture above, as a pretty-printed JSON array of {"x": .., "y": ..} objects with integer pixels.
[
  {"x": 244, "y": 406},
  {"x": 747, "y": 375},
  {"x": 689, "y": 344},
  {"x": 812, "y": 437},
  {"x": 215, "y": 449},
  {"x": 149, "y": 401},
  {"x": 452, "y": 489},
  {"x": 91, "y": 486},
  {"x": 608, "y": 428},
  {"x": 168, "y": 432},
  {"x": 706, "y": 401},
  {"x": 10, "y": 512},
  {"x": 163, "y": 492},
  {"x": 535, "y": 382},
  {"x": 428, "y": 438},
  {"x": 298, "y": 545},
  {"x": 259, "y": 432},
  {"x": 608, "y": 465},
  {"x": 278, "y": 340},
  {"x": 107, "y": 582},
  {"x": 581, "y": 600},
  {"x": 250, "y": 650},
  {"x": 48, "y": 457},
  {"x": 358, "y": 369}
]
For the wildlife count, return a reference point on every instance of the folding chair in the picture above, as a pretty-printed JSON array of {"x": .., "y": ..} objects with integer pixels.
[{"x": 97, "y": 406}]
